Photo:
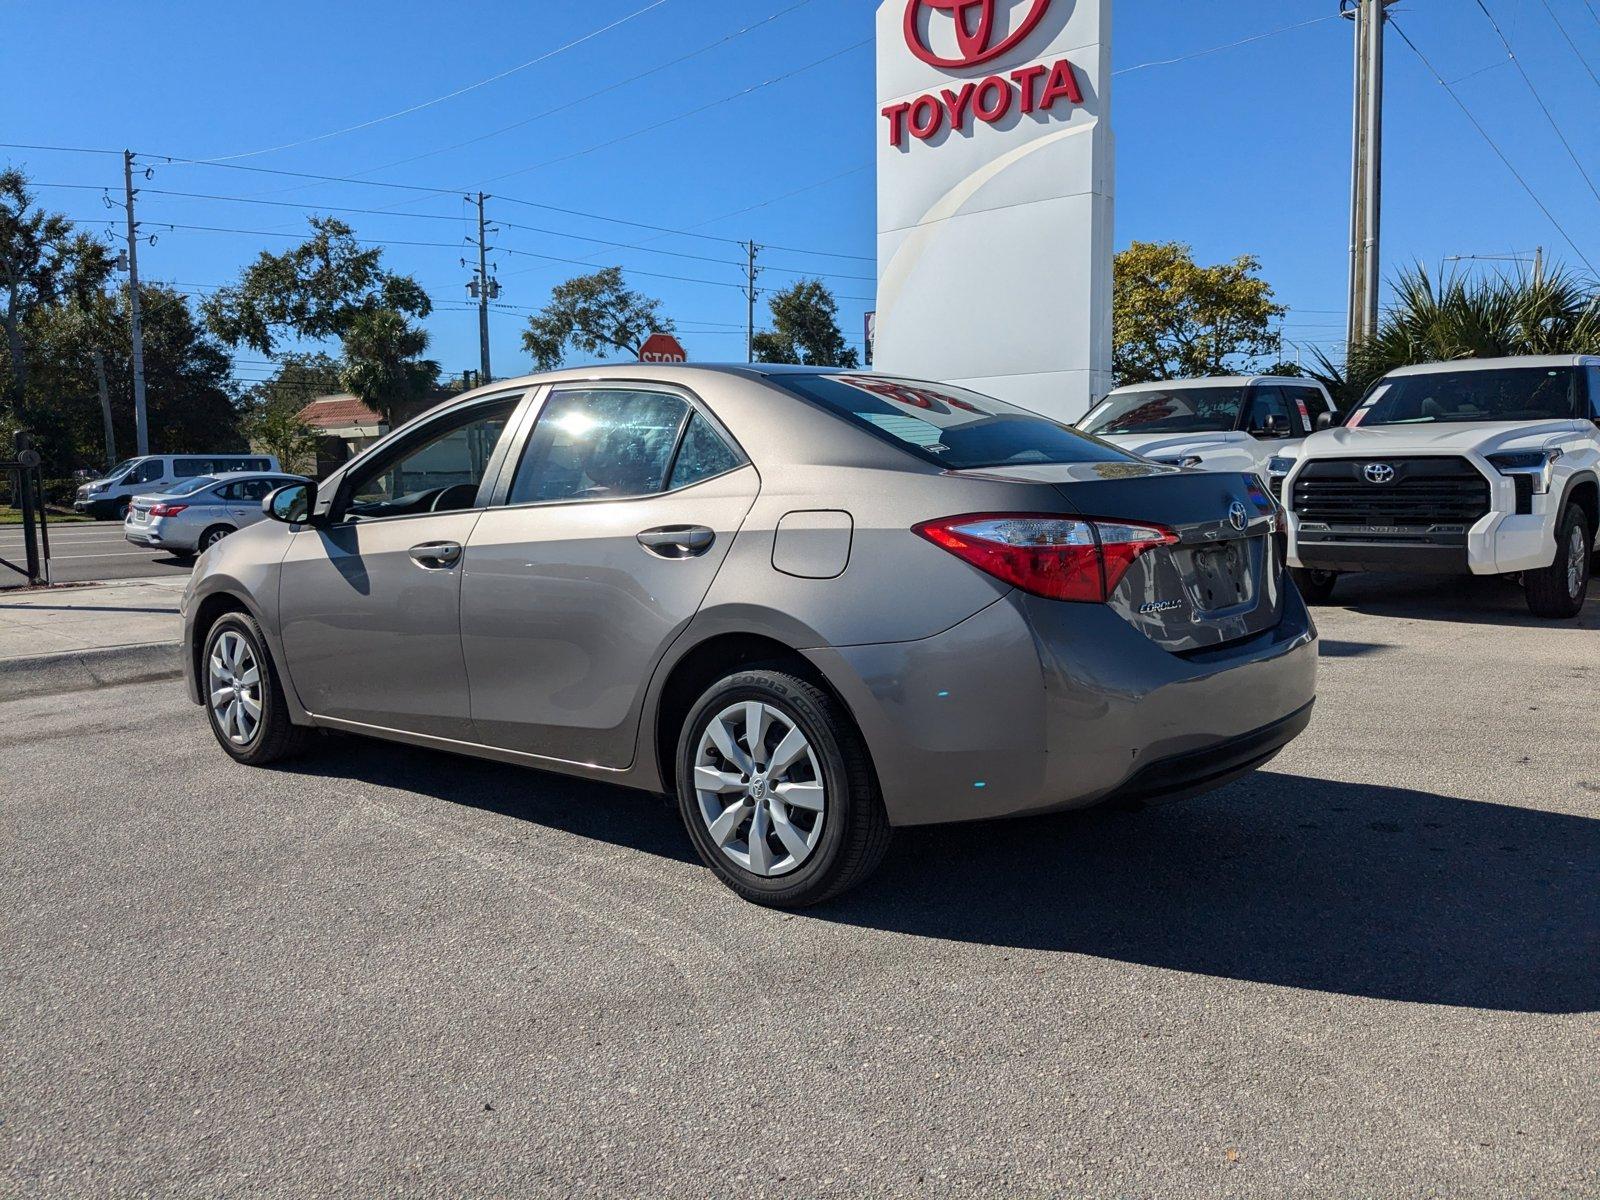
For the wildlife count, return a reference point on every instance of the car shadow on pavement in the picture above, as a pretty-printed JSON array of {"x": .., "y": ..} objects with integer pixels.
[
  {"x": 1356, "y": 889},
  {"x": 1454, "y": 599}
]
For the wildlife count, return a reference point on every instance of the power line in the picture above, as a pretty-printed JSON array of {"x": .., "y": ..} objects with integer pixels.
[
  {"x": 545, "y": 57},
  {"x": 1570, "y": 42},
  {"x": 1493, "y": 145},
  {"x": 1538, "y": 99},
  {"x": 1271, "y": 33}
]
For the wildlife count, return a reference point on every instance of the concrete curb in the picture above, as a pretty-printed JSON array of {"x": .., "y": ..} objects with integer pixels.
[{"x": 83, "y": 670}]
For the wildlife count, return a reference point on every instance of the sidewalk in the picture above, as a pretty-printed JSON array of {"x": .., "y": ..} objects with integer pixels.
[{"x": 67, "y": 639}]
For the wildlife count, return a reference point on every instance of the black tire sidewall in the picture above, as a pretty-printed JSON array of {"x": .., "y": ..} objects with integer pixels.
[
  {"x": 207, "y": 540},
  {"x": 241, "y": 624},
  {"x": 815, "y": 875}
]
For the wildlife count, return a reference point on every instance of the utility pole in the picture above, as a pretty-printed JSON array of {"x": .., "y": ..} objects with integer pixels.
[
  {"x": 487, "y": 289},
  {"x": 141, "y": 420},
  {"x": 1366, "y": 184},
  {"x": 750, "y": 295}
]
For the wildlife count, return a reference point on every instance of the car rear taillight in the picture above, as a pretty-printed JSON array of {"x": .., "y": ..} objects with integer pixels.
[
  {"x": 166, "y": 510},
  {"x": 1061, "y": 558}
]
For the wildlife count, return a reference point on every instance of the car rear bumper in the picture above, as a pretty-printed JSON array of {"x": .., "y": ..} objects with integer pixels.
[
  {"x": 1035, "y": 706},
  {"x": 141, "y": 535}
]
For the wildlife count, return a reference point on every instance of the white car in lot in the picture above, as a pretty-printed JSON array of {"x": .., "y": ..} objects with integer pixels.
[
  {"x": 195, "y": 515},
  {"x": 1487, "y": 467},
  {"x": 1234, "y": 423}
]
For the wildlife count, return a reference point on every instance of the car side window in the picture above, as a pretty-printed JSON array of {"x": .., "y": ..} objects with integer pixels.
[
  {"x": 600, "y": 444},
  {"x": 1593, "y": 374},
  {"x": 228, "y": 492},
  {"x": 440, "y": 470},
  {"x": 251, "y": 489},
  {"x": 1316, "y": 404},
  {"x": 703, "y": 455},
  {"x": 146, "y": 472},
  {"x": 1267, "y": 405}
]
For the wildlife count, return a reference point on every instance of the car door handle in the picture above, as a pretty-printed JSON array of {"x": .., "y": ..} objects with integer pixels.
[
  {"x": 677, "y": 541},
  {"x": 436, "y": 556}
]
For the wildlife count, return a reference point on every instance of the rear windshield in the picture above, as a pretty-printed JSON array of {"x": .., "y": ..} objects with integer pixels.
[
  {"x": 190, "y": 486},
  {"x": 1436, "y": 397},
  {"x": 948, "y": 426},
  {"x": 1168, "y": 410}
]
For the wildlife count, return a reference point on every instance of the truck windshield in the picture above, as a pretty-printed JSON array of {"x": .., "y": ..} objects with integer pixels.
[
  {"x": 948, "y": 426},
  {"x": 1167, "y": 410},
  {"x": 1437, "y": 397}
]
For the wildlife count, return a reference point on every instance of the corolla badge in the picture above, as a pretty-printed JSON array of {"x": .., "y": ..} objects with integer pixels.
[
  {"x": 1378, "y": 473},
  {"x": 1154, "y": 607},
  {"x": 1238, "y": 515}
]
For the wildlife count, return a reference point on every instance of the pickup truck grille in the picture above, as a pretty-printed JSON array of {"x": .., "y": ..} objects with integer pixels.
[{"x": 1422, "y": 492}]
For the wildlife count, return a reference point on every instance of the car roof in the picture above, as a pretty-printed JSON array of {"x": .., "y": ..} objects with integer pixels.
[
  {"x": 1534, "y": 361},
  {"x": 1212, "y": 381}
]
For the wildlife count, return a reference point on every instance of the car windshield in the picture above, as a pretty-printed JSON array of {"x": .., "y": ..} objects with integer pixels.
[
  {"x": 949, "y": 426},
  {"x": 1436, "y": 397},
  {"x": 1168, "y": 410},
  {"x": 119, "y": 468},
  {"x": 190, "y": 486}
]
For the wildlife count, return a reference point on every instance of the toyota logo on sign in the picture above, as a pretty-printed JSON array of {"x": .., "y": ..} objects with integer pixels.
[
  {"x": 978, "y": 33},
  {"x": 1378, "y": 473}
]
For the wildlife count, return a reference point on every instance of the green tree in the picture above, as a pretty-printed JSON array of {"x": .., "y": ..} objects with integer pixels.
[
  {"x": 315, "y": 291},
  {"x": 596, "y": 315},
  {"x": 805, "y": 329},
  {"x": 383, "y": 363},
  {"x": 271, "y": 419},
  {"x": 1465, "y": 316},
  {"x": 1174, "y": 319},
  {"x": 44, "y": 262}
]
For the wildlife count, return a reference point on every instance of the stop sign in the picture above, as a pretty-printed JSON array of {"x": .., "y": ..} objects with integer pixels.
[{"x": 662, "y": 348}]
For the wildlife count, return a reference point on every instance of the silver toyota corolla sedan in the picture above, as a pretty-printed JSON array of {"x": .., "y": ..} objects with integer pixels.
[
  {"x": 813, "y": 604},
  {"x": 198, "y": 513}
]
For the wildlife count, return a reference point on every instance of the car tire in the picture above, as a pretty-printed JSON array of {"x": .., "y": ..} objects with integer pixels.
[
  {"x": 211, "y": 537},
  {"x": 1559, "y": 590},
  {"x": 824, "y": 801},
  {"x": 120, "y": 511},
  {"x": 257, "y": 738},
  {"x": 1316, "y": 587}
]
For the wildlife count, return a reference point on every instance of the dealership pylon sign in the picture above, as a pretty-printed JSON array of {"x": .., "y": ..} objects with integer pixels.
[{"x": 995, "y": 197}]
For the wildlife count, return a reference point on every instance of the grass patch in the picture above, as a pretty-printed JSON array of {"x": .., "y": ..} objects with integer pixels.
[{"x": 13, "y": 516}]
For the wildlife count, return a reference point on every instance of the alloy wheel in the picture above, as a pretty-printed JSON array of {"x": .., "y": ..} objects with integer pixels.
[
  {"x": 234, "y": 677},
  {"x": 1577, "y": 560},
  {"x": 759, "y": 788}
]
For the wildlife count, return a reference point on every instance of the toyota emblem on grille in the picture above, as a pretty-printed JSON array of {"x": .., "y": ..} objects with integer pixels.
[
  {"x": 1238, "y": 515},
  {"x": 1378, "y": 473}
]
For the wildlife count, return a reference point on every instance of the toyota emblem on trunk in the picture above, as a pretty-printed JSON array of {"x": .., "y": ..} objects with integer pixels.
[
  {"x": 1378, "y": 473},
  {"x": 1238, "y": 515}
]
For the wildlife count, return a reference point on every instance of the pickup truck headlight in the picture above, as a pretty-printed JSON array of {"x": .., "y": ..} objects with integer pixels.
[
  {"x": 1540, "y": 464},
  {"x": 1279, "y": 466}
]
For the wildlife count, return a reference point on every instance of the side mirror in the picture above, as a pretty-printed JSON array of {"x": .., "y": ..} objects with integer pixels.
[
  {"x": 292, "y": 504},
  {"x": 1324, "y": 420},
  {"x": 1273, "y": 426}
]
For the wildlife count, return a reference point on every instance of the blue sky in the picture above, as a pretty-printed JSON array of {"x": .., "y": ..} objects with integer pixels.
[{"x": 1242, "y": 151}]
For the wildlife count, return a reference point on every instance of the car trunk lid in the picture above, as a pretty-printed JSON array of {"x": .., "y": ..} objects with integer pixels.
[{"x": 1220, "y": 582}]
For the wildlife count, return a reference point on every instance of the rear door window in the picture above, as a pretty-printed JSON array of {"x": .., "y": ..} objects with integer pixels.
[
  {"x": 703, "y": 455},
  {"x": 947, "y": 426},
  {"x": 600, "y": 444},
  {"x": 1593, "y": 376}
]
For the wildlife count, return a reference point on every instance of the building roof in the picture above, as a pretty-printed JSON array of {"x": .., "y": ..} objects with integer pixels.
[{"x": 340, "y": 411}]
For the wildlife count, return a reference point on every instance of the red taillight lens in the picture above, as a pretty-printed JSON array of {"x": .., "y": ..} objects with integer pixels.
[
  {"x": 166, "y": 510},
  {"x": 1061, "y": 558}
]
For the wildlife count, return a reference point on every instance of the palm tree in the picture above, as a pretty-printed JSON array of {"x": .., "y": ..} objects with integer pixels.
[
  {"x": 1463, "y": 317},
  {"x": 382, "y": 364}
]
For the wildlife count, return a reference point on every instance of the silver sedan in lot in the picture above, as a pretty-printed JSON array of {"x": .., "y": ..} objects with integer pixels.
[
  {"x": 812, "y": 604},
  {"x": 198, "y": 513}
]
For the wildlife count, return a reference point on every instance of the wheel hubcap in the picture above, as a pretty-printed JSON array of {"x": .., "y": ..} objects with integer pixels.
[
  {"x": 759, "y": 788},
  {"x": 1577, "y": 561},
  {"x": 234, "y": 679}
]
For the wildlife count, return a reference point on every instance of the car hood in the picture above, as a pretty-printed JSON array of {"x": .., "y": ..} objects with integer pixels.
[
  {"x": 1481, "y": 437},
  {"x": 1171, "y": 445}
]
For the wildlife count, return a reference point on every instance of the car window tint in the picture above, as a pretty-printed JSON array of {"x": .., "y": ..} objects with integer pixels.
[
  {"x": 599, "y": 445},
  {"x": 702, "y": 455},
  {"x": 1594, "y": 392},
  {"x": 1265, "y": 402},
  {"x": 253, "y": 489},
  {"x": 440, "y": 473},
  {"x": 146, "y": 472}
]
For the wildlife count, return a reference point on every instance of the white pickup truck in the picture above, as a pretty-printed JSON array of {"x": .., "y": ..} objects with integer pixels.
[
  {"x": 1233, "y": 423},
  {"x": 1487, "y": 467}
]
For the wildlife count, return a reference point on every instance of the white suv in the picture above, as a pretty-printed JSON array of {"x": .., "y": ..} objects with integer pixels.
[
  {"x": 1488, "y": 467},
  {"x": 1232, "y": 423}
]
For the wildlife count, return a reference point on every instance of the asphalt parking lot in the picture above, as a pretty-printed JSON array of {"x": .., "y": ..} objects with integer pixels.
[
  {"x": 1371, "y": 969},
  {"x": 84, "y": 550}
]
